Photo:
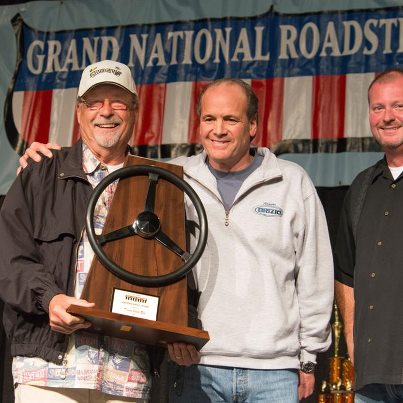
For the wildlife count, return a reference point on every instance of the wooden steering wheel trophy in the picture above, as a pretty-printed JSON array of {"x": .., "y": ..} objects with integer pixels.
[{"x": 138, "y": 276}]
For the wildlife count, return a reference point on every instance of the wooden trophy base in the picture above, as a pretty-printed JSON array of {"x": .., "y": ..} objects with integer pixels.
[
  {"x": 141, "y": 330},
  {"x": 142, "y": 256}
]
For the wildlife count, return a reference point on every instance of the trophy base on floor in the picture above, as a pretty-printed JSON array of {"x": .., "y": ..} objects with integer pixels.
[{"x": 141, "y": 330}]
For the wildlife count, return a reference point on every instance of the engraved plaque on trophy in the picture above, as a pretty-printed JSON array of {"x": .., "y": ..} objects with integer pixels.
[{"x": 137, "y": 279}]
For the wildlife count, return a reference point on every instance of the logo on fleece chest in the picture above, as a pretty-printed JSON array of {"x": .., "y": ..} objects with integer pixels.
[{"x": 268, "y": 210}]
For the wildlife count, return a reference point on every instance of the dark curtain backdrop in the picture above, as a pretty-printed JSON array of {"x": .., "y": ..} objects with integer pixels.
[{"x": 332, "y": 199}]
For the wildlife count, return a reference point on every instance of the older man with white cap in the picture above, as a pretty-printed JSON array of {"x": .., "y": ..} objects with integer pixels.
[{"x": 46, "y": 256}]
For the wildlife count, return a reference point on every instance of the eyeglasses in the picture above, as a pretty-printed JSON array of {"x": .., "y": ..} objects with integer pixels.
[{"x": 96, "y": 104}]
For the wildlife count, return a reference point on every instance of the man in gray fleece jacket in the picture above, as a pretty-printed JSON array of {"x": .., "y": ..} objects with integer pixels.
[{"x": 266, "y": 276}]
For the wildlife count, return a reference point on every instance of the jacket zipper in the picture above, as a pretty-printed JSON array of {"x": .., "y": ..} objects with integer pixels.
[
  {"x": 75, "y": 263},
  {"x": 63, "y": 373},
  {"x": 226, "y": 220}
]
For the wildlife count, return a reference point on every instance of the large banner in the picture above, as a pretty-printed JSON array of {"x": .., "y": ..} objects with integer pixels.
[{"x": 311, "y": 72}]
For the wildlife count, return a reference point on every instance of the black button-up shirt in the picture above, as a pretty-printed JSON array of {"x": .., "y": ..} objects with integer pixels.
[{"x": 373, "y": 265}]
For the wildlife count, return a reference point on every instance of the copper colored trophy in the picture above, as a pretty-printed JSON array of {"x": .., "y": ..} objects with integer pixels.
[
  {"x": 339, "y": 387},
  {"x": 335, "y": 368},
  {"x": 335, "y": 361},
  {"x": 347, "y": 376},
  {"x": 348, "y": 397},
  {"x": 137, "y": 279},
  {"x": 324, "y": 394},
  {"x": 348, "y": 380}
]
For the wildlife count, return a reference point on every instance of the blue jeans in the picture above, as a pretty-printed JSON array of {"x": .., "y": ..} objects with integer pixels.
[
  {"x": 379, "y": 393},
  {"x": 205, "y": 384}
]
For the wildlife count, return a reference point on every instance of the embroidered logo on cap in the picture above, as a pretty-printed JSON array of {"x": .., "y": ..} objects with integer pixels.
[{"x": 116, "y": 71}]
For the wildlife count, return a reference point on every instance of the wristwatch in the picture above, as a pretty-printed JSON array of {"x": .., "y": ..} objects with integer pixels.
[{"x": 307, "y": 367}]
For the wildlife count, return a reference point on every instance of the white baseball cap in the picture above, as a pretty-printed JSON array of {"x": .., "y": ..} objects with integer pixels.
[{"x": 106, "y": 72}]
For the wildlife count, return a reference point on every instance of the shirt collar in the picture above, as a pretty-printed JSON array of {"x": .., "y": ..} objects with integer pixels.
[
  {"x": 90, "y": 162},
  {"x": 382, "y": 169}
]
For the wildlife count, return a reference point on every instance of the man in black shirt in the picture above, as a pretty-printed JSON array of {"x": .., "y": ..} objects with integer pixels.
[{"x": 369, "y": 254}]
